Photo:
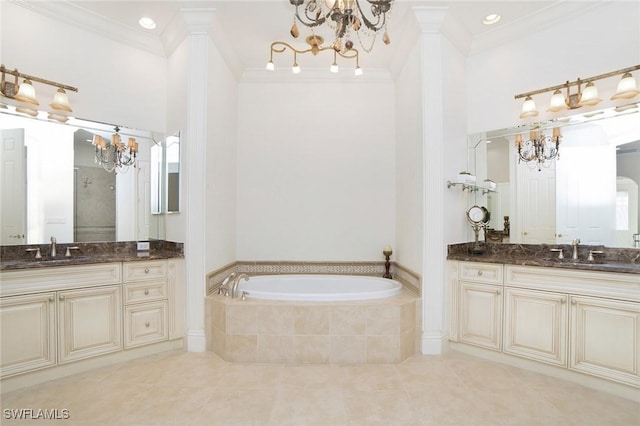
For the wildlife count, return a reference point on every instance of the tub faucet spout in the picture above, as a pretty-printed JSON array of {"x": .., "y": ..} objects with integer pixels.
[
  {"x": 234, "y": 286},
  {"x": 224, "y": 287}
]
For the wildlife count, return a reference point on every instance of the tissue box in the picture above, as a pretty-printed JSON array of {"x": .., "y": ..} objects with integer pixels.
[
  {"x": 466, "y": 179},
  {"x": 489, "y": 184}
]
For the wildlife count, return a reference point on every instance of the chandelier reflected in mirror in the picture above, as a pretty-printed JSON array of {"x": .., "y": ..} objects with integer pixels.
[
  {"x": 114, "y": 156},
  {"x": 539, "y": 149},
  {"x": 348, "y": 20}
]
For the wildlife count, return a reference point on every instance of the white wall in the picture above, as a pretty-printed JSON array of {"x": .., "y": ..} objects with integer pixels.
[
  {"x": 409, "y": 165},
  {"x": 116, "y": 83},
  {"x": 316, "y": 171},
  {"x": 220, "y": 233},
  {"x": 601, "y": 40}
]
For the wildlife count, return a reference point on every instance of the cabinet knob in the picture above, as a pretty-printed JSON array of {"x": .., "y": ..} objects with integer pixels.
[
  {"x": 498, "y": 291},
  {"x": 147, "y": 324},
  {"x": 51, "y": 299},
  {"x": 146, "y": 291},
  {"x": 146, "y": 270},
  {"x": 563, "y": 300},
  {"x": 574, "y": 302},
  {"x": 61, "y": 297},
  {"x": 480, "y": 273}
]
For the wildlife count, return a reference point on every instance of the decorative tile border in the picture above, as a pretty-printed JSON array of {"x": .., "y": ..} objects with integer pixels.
[{"x": 408, "y": 278}]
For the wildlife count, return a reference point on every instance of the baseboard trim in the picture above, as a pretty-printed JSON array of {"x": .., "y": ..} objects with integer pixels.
[
  {"x": 435, "y": 344},
  {"x": 196, "y": 341}
]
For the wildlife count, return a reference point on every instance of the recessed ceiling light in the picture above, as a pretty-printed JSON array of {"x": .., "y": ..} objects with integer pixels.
[
  {"x": 491, "y": 19},
  {"x": 147, "y": 23}
]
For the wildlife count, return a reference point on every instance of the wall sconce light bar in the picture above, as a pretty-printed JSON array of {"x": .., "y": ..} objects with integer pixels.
[
  {"x": 315, "y": 43},
  {"x": 25, "y": 92},
  {"x": 587, "y": 97}
]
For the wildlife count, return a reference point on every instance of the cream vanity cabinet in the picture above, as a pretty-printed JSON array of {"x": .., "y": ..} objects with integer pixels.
[
  {"x": 57, "y": 315},
  {"x": 588, "y": 321},
  {"x": 585, "y": 321},
  {"x": 480, "y": 304}
]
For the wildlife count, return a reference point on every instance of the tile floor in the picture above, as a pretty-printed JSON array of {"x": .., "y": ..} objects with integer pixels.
[{"x": 178, "y": 388}]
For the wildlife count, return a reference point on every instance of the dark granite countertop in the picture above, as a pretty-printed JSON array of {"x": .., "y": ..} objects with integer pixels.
[
  {"x": 16, "y": 257},
  {"x": 611, "y": 260}
]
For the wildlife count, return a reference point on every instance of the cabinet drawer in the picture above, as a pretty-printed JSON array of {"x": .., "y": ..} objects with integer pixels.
[
  {"x": 148, "y": 270},
  {"x": 145, "y": 323},
  {"x": 145, "y": 291},
  {"x": 487, "y": 273}
]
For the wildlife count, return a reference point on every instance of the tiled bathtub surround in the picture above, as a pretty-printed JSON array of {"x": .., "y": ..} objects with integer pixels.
[{"x": 372, "y": 331}]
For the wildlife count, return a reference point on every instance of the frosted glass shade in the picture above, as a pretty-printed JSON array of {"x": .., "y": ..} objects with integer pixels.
[
  {"x": 626, "y": 88},
  {"x": 589, "y": 95},
  {"x": 26, "y": 93},
  {"x": 557, "y": 102},
  {"x": 61, "y": 101},
  {"x": 529, "y": 108}
]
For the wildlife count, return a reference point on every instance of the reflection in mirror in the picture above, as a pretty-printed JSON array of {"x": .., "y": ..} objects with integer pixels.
[
  {"x": 51, "y": 185},
  {"x": 173, "y": 173},
  {"x": 589, "y": 193}
]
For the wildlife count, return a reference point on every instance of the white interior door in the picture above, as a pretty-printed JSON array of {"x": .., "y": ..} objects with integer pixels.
[
  {"x": 13, "y": 187},
  {"x": 586, "y": 202},
  {"x": 626, "y": 211},
  {"x": 536, "y": 204}
]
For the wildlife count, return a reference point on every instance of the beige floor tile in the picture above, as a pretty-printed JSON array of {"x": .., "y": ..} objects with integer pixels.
[
  {"x": 179, "y": 388},
  {"x": 312, "y": 407},
  {"x": 390, "y": 407}
]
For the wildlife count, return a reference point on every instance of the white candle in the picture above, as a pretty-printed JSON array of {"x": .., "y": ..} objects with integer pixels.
[{"x": 387, "y": 248}]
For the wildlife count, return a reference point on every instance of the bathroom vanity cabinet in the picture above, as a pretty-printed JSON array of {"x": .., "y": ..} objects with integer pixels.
[
  {"x": 54, "y": 316},
  {"x": 583, "y": 321}
]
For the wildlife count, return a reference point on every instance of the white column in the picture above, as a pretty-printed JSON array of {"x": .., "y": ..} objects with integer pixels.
[
  {"x": 435, "y": 50},
  {"x": 198, "y": 23}
]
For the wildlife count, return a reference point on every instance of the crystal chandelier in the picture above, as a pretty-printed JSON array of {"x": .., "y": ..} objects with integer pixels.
[
  {"x": 115, "y": 156},
  {"x": 539, "y": 148},
  {"x": 346, "y": 18}
]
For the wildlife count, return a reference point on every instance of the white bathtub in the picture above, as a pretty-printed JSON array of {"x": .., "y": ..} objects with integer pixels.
[{"x": 319, "y": 287}]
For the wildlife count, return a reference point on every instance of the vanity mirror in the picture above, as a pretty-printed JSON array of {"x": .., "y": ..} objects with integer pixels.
[
  {"x": 52, "y": 186},
  {"x": 589, "y": 192}
]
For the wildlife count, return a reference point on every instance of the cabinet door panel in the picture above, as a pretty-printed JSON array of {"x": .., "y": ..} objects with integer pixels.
[
  {"x": 536, "y": 325},
  {"x": 91, "y": 322},
  {"x": 605, "y": 338},
  {"x": 28, "y": 327},
  {"x": 145, "y": 323},
  {"x": 481, "y": 315}
]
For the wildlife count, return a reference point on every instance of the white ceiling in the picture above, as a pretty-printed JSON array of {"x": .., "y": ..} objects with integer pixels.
[{"x": 246, "y": 28}]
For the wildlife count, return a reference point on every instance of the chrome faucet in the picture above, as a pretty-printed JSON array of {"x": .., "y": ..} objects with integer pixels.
[
  {"x": 53, "y": 252},
  {"x": 575, "y": 243},
  {"x": 234, "y": 286},
  {"x": 225, "y": 284}
]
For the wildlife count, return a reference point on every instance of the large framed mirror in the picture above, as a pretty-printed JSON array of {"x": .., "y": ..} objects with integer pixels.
[
  {"x": 589, "y": 192},
  {"x": 53, "y": 186}
]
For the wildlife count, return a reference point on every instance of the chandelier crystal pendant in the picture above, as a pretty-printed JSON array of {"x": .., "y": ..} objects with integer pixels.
[
  {"x": 346, "y": 18},
  {"x": 115, "y": 156},
  {"x": 539, "y": 149}
]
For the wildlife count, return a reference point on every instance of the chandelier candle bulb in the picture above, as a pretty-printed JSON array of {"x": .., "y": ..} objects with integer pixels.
[{"x": 518, "y": 141}]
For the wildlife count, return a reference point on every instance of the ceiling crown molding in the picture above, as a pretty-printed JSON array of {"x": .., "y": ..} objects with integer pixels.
[
  {"x": 76, "y": 15},
  {"x": 551, "y": 16}
]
